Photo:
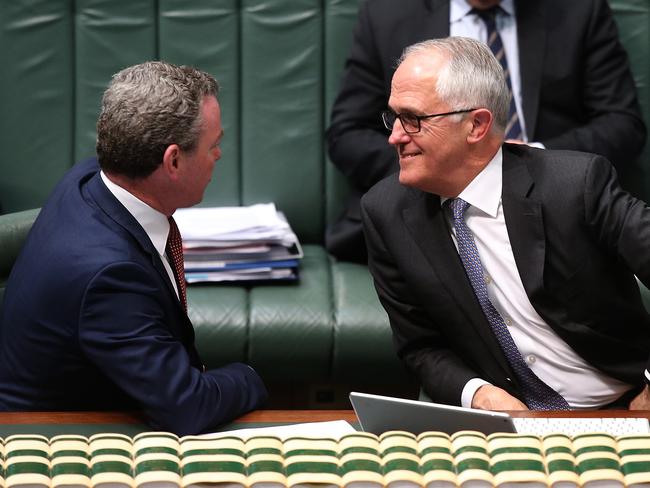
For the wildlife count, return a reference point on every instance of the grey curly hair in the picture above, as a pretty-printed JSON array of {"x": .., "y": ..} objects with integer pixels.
[{"x": 146, "y": 108}]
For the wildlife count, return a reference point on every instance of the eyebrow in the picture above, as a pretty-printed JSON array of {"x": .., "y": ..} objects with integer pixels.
[{"x": 406, "y": 111}]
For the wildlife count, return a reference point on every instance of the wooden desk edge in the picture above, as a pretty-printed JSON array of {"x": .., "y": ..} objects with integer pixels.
[{"x": 260, "y": 416}]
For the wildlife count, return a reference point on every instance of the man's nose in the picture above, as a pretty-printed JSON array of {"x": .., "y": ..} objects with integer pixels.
[{"x": 398, "y": 135}]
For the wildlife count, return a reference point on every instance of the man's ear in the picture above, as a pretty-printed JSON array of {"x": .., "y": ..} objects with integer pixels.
[
  {"x": 171, "y": 158},
  {"x": 482, "y": 120}
]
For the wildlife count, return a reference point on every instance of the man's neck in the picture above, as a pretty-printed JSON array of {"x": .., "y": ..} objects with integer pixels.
[{"x": 141, "y": 189}]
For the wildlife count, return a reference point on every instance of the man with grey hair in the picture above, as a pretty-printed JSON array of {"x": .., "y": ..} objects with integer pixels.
[
  {"x": 507, "y": 272},
  {"x": 572, "y": 87},
  {"x": 95, "y": 312}
]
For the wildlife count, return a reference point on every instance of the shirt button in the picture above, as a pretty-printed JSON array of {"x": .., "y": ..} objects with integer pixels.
[
  {"x": 508, "y": 321},
  {"x": 530, "y": 359},
  {"x": 488, "y": 280}
]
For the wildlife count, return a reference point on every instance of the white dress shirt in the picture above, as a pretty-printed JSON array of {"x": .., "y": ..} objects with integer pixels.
[
  {"x": 466, "y": 24},
  {"x": 154, "y": 223},
  {"x": 545, "y": 353}
]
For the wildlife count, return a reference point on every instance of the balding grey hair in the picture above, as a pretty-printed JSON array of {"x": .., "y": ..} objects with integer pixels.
[
  {"x": 472, "y": 77},
  {"x": 146, "y": 108}
]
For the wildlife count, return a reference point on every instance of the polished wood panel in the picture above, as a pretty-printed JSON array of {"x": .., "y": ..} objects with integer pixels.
[
  {"x": 261, "y": 416},
  {"x": 258, "y": 416}
]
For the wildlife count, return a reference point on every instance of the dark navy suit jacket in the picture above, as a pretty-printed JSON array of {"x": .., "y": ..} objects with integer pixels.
[{"x": 91, "y": 321}]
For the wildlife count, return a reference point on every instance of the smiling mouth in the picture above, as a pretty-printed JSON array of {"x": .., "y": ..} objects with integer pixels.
[{"x": 408, "y": 154}]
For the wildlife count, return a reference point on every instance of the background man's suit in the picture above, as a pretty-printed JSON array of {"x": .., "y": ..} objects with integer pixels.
[
  {"x": 100, "y": 309},
  {"x": 577, "y": 239},
  {"x": 577, "y": 90}
]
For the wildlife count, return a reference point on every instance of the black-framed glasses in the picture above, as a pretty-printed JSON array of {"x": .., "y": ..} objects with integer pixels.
[{"x": 411, "y": 122}]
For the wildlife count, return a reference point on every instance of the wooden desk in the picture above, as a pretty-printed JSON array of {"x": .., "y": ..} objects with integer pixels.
[
  {"x": 87, "y": 423},
  {"x": 264, "y": 416},
  {"x": 258, "y": 416}
]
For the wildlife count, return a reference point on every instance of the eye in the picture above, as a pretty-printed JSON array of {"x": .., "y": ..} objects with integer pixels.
[{"x": 409, "y": 120}]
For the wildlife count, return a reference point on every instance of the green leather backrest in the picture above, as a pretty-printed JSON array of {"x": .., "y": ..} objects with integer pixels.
[
  {"x": 278, "y": 62},
  {"x": 633, "y": 19},
  {"x": 13, "y": 231}
]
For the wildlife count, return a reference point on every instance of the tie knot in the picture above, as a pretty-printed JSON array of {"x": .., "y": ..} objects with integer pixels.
[
  {"x": 488, "y": 15},
  {"x": 458, "y": 207}
]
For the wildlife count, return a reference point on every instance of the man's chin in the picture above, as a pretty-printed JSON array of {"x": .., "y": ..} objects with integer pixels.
[
  {"x": 406, "y": 179},
  {"x": 413, "y": 181}
]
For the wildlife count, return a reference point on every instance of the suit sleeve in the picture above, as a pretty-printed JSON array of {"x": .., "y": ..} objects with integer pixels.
[
  {"x": 420, "y": 345},
  {"x": 619, "y": 221},
  {"x": 357, "y": 139},
  {"x": 122, "y": 330},
  {"x": 612, "y": 123}
]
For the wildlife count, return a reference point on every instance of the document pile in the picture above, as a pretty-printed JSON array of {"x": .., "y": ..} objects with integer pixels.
[{"x": 238, "y": 244}]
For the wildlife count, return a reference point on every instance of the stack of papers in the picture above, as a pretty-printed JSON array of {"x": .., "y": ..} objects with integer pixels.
[{"x": 238, "y": 244}]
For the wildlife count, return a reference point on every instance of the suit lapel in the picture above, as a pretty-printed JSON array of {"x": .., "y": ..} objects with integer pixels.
[
  {"x": 118, "y": 213},
  {"x": 525, "y": 224},
  {"x": 428, "y": 226},
  {"x": 531, "y": 37}
]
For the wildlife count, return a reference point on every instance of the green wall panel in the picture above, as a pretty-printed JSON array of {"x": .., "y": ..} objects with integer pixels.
[
  {"x": 205, "y": 34},
  {"x": 36, "y": 83},
  {"x": 110, "y": 35},
  {"x": 281, "y": 79}
]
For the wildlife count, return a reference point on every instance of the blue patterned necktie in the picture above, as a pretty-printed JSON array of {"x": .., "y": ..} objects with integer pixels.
[
  {"x": 494, "y": 42},
  {"x": 537, "y": 394}
]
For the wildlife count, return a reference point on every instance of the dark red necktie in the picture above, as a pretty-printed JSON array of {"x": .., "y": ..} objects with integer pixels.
[{"x": 174, "y": 250}]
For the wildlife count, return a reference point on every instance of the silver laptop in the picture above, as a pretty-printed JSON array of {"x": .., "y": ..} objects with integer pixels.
[{"x": 378, "y": 414}]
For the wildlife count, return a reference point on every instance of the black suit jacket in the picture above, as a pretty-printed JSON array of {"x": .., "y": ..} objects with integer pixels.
[
  {"x": 577, "y": 90},
  {"x": 577, "y": 238},
  {"x": 91, "y": 321}
]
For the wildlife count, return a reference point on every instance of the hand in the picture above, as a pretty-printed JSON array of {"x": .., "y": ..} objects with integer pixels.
[
  {"x": 490, "y": 397},
  {"x": 641, "y": 401}
]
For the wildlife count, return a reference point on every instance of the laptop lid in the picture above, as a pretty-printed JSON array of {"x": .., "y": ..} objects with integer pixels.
[{"x": 378, "y": 414}]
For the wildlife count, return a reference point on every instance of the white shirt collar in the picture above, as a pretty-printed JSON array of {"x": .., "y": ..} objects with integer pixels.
[
  {"x": 460, "y": 8},
  {"x": 484, "y": 191},
  {"x": 154, "y": 223}
]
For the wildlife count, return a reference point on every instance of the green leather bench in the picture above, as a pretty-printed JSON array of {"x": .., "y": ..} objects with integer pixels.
[{"x": 278, "y": 62}]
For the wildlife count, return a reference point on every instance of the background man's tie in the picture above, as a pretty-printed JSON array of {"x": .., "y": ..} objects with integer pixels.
[
  {"x": 174, "y": 250},
  {"x": 537, "y": 394},
  {"x": 494, "y": 42}
]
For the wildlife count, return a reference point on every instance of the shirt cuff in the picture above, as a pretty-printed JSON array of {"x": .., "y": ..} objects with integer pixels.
[
  {"x": 647, "y": 377},
  {"x": 538, "y": 145},
  {"x": 469, "y": 390}
]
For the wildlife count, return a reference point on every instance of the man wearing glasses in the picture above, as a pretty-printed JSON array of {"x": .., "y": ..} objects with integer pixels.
[
  {"x": 507, "y": 271},
  {"x": 570, "y": 78}
]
